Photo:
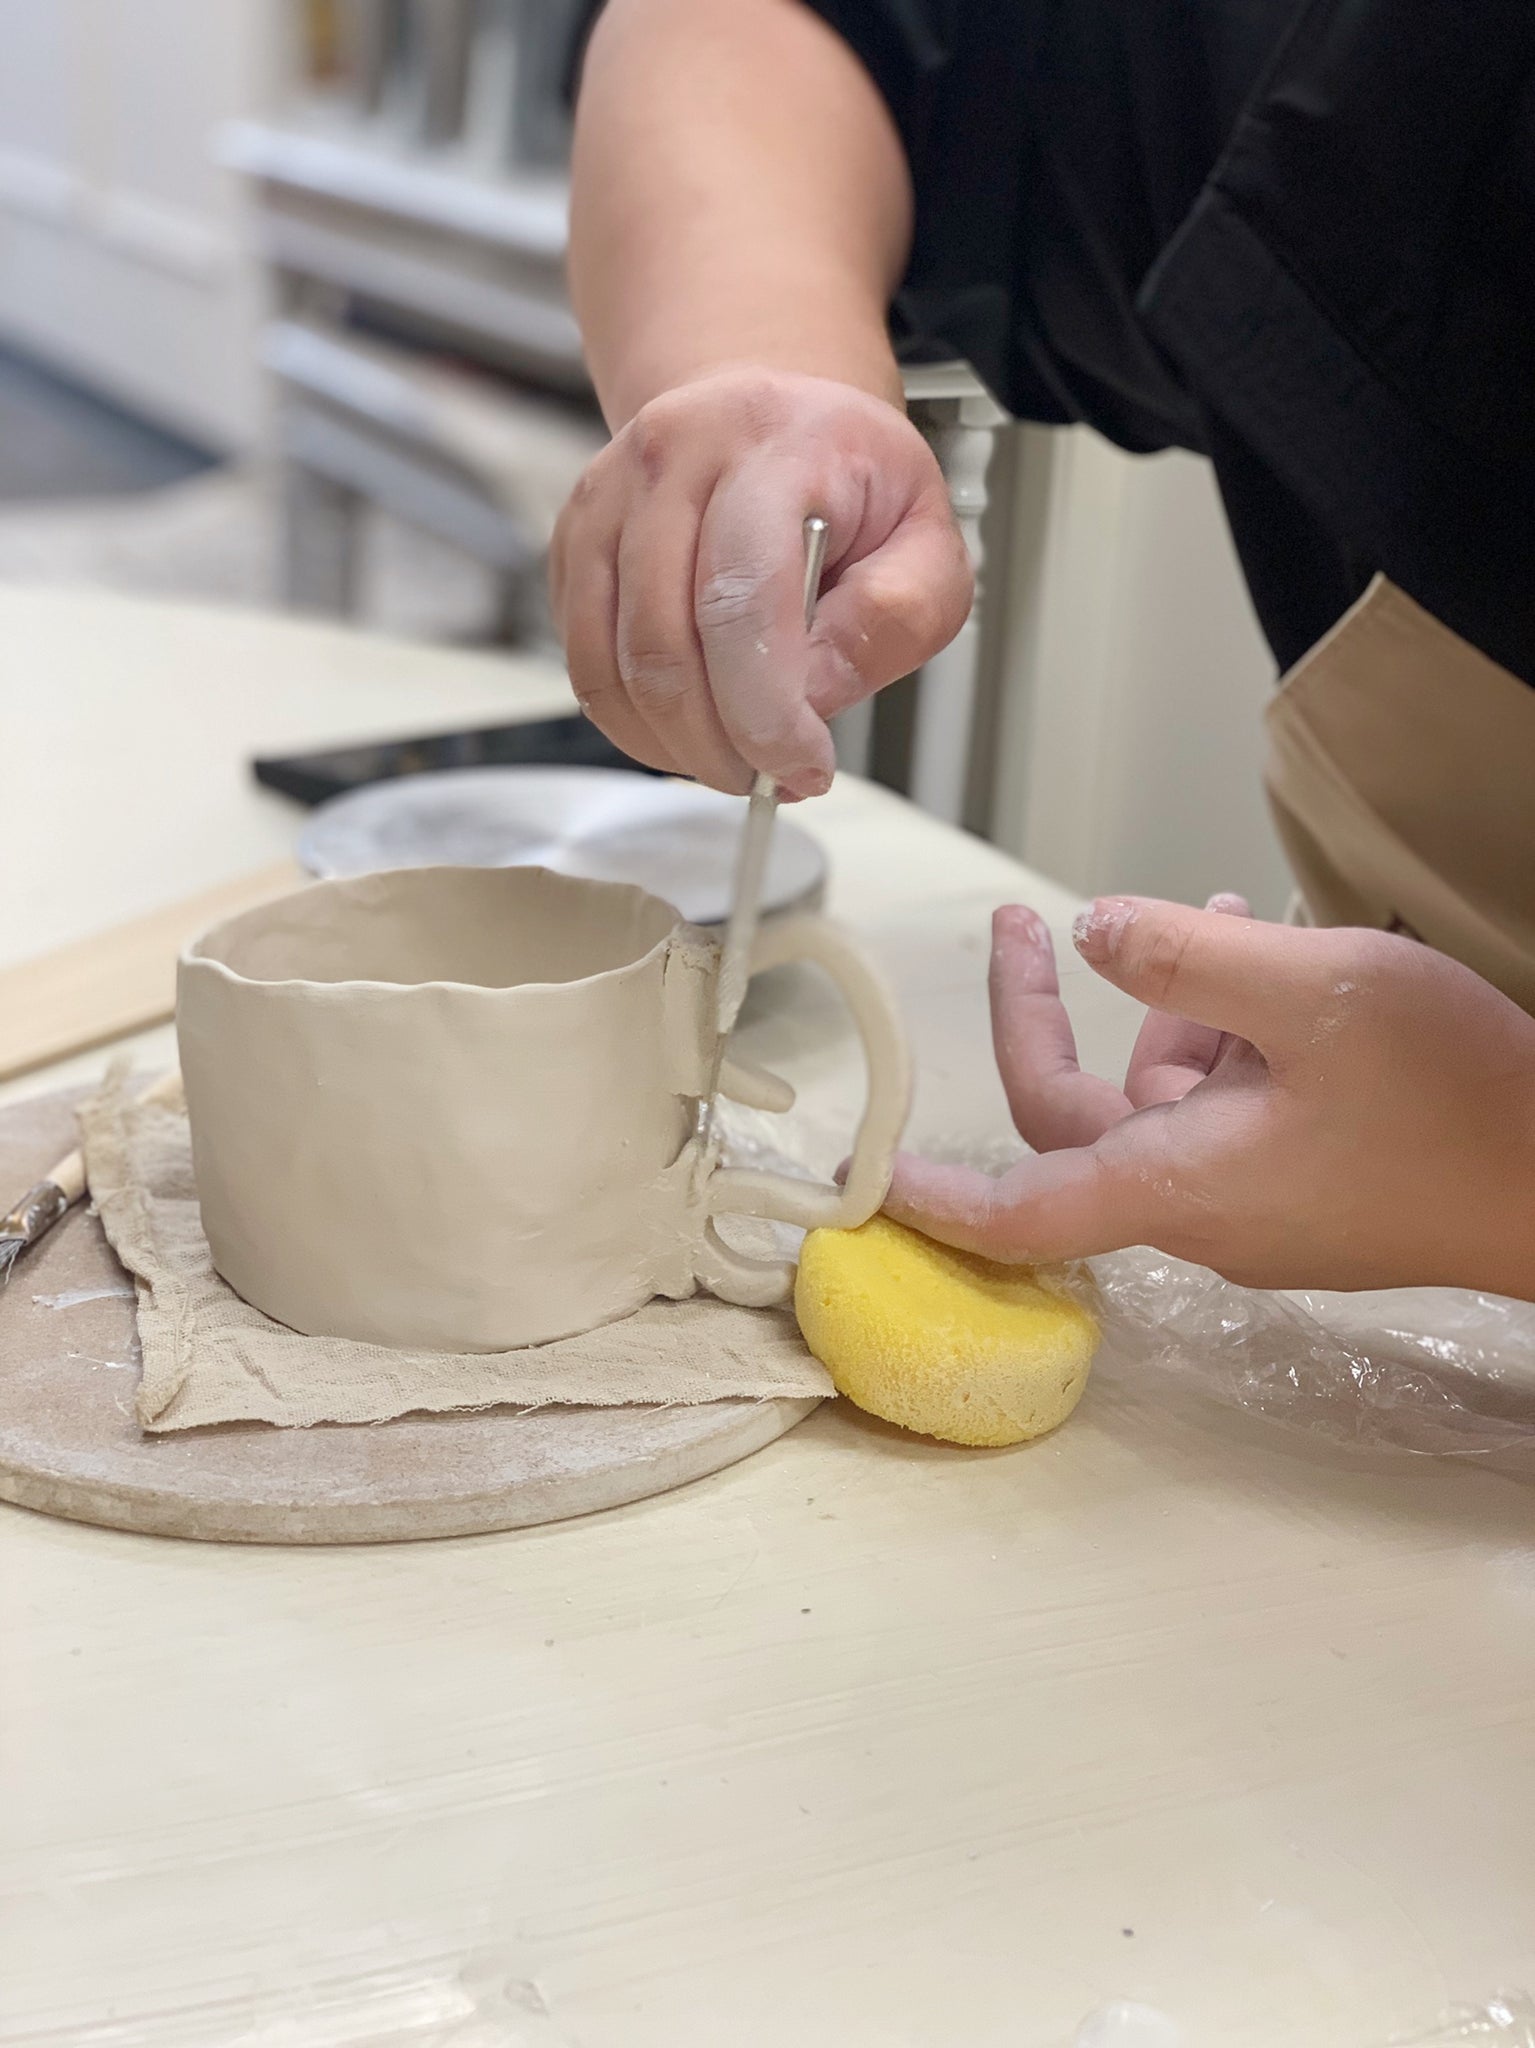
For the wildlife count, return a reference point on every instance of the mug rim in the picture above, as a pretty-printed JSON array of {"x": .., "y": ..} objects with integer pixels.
[{"x": 192, "y": 957}]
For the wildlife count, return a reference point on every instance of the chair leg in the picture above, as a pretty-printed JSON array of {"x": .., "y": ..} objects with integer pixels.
[
  {"x": 946, "y": 702},
  {"x": 321, "y": 531},
  {"x": 521, "y": 616}
]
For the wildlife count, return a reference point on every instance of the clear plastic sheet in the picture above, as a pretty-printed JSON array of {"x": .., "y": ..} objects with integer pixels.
[
  {"x": 479, "y": 2002},
  {"x": 1507, "y": 2021},
  {"x": 1124, "y": 2024},
  {"x": 1428, "y": 1370},
  {"x": 1431, "y": 1370}
]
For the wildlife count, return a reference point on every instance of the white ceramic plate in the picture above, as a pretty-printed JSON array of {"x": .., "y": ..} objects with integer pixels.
[{"x": 672, "y": 838}]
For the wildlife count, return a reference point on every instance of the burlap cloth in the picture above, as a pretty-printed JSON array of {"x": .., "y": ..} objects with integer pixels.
[{"x": 211, "y": 1357}]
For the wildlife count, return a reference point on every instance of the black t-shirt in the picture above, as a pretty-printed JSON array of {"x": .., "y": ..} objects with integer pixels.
[{"x": 1299, "y": 238}]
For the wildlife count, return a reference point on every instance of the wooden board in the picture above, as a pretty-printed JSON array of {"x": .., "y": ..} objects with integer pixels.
[
  {"x": 69, "y": 1444},
  {"x": 117, "y": 981}
]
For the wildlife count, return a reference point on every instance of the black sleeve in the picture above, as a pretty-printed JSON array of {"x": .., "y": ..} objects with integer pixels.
[
  {"x": 583, "y": 19},
  {"x": 902, "y": 44},
  {"x": 905, "y": 46}
]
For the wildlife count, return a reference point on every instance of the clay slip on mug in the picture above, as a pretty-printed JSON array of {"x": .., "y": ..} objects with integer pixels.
[{"x": 453, "y": 1108}]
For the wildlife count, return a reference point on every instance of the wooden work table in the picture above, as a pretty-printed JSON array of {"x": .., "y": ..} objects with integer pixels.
[{"x": 863, "y": 1743}]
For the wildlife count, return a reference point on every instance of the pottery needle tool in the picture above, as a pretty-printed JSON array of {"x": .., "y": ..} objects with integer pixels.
[
  {"x": 746, "y": 892},
  {"x": 58, "y": 1191}
]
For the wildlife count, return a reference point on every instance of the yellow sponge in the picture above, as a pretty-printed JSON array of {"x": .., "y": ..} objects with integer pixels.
[{"x": 939, "y": 1341}]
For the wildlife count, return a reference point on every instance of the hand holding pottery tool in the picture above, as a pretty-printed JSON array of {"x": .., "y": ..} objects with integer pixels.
[{"x": 671, "y": 584}]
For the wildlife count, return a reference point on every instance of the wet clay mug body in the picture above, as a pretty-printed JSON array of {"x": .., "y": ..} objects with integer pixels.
[{"x": 453, "y": 1108}]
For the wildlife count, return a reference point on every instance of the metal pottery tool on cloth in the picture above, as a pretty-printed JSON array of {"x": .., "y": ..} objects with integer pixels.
[
  {"x": 746, "y": 892},
  {"x": 51, "y": 1199}
]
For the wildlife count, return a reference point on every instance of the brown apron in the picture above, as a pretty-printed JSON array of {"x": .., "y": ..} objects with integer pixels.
[{"x": 1401, "y": 774}]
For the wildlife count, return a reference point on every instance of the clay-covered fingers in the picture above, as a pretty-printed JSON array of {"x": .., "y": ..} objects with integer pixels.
[
  {"x": 892, "y": 609},
  {"x": 1171, "y": 1054},
  {"x": 659, "y": 656},
  {"x": 583, "y": 585},
  {"x": 749, "y": 606},
  {"x": 1061, "y": 1205},
  {"x": 1263, "y": 982},
  {"x": 677, "y": 573},
  {"x": 897, "y": 585},
  {"x": 1053, "y": 1103}
]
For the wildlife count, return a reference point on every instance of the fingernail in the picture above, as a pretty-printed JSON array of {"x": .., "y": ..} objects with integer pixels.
[
  {"x": 816, "y": 782},
  {"x": 1097, "y": 931},
  {"x": 1229, "y": 903}
]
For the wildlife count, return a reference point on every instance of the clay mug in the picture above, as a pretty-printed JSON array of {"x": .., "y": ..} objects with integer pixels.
[{"x": 454, "y": 1108}]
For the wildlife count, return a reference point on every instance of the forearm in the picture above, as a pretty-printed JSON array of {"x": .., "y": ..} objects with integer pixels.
[{"x": 739, "y": 195}]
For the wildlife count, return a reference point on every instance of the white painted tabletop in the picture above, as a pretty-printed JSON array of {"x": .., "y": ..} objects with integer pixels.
[{"x": 865, "y": 1743}]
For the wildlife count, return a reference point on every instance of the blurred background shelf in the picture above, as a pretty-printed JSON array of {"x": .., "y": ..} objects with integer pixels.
[{"x": 125, "y": 257}]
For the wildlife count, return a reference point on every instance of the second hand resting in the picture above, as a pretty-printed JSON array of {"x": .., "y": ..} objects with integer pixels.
[{"x": 1339, "y": 1108}]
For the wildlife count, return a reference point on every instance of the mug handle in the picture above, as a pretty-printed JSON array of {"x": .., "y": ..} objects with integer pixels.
[{"x": 813, "y": 1205}]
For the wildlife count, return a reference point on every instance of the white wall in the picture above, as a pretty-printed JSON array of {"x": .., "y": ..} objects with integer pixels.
[
  {"x": 123, "y": 257},
  {"x": 1134, "y": 680}
]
